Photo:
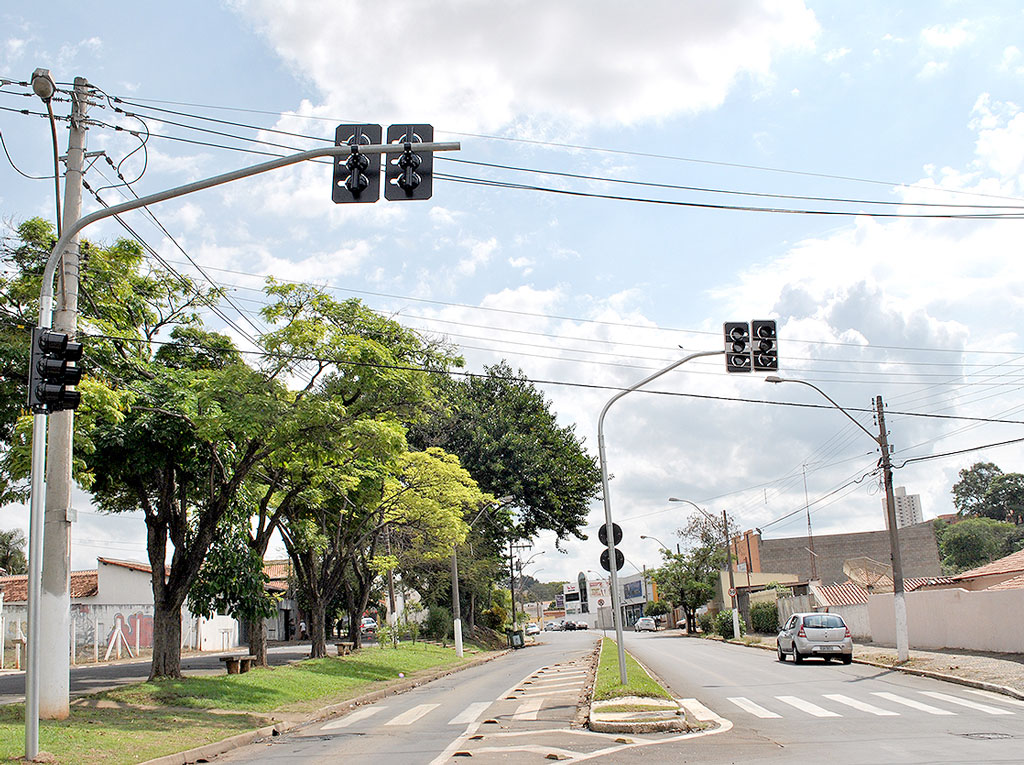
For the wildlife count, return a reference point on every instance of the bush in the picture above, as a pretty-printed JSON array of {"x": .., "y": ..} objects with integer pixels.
[
  {"x": 723, "y": 624},
  {"x": 494, "y": 618},
  {"x": 764, "y": 618},
  {"x": 439, "y": 623},
  {"x": 706, "y": 622}
]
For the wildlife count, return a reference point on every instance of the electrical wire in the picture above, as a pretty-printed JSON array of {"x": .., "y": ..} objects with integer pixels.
[{"x": 16, "y": 168}]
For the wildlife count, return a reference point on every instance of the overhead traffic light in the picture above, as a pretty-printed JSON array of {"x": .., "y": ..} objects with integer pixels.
[
  {"x": 737, "y": 346},
  {"x": 409, "y": 175},
  {"x": 766, "y": 346},
  {"x": 357, "y": 175},
  {"x": 50, "y": 373}
]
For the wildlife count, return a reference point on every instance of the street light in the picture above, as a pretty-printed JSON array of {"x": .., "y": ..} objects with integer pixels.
[
  {"x": 881, "y": 440},
  {"x": 728, "y": 562},
  {"x": 663, "y": 545}
]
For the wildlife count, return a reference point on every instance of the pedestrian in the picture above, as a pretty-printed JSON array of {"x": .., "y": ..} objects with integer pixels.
[{"x": 302, "y": 631}]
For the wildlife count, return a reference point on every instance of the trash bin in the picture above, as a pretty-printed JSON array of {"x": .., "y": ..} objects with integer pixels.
[{"x": 515, "y": 638}]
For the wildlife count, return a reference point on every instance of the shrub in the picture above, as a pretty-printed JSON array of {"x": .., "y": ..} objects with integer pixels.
[
  {"x": 723, "y": 624},
  {"x": 764, "y": 617},
  {"x": 706, "y": 622},
  {"x": 494, "y": 618},
  {"x": 439, "y": 623}
]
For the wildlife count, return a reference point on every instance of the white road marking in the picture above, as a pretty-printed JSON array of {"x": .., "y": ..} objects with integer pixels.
[
  {"x": 966, "y": 703},
  {"x": 912, "y": 703},
  {"x": 698, "y": 710},
  {"x": 410, "y": 716},
  {"x": 862, "y": 706},
  {"x": 996, "y": 697},
  {"x": 806, "y": 706},
  {"x": 356, "y": 716},
  {"x": 528, "y": 710},
  {"x": 755, "y": 709},
  {"x": 470, "y": 713}
]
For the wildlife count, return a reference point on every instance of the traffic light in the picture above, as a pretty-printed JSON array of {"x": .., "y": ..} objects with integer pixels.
[
  {"x": 357, "y": 175},
  {"x": 737, "y": 346},
  {"x": 409, "y": 175},
  {"x": 766, "y": 346},
  {"x": 50, "y": 373}
]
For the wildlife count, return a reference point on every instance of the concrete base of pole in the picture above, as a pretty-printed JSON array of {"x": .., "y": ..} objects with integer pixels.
[
  {"x": 458, "y": 638},
  {"x": 735, "y": 622},
  {"x": 902, "y": 640}
]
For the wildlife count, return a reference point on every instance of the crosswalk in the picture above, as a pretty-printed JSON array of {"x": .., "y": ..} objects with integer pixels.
[
  {"x": 877, "y": 703},
  {"x": 523, "y": 702}
]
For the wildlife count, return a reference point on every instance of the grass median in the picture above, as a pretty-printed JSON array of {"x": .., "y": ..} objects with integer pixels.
[
  {"x": 608, "y": 683},
  {"x": 138, "y": 722}
]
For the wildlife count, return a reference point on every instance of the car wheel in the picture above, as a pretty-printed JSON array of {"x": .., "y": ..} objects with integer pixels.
[
  {"x": 848, "y": 659},
  {"x": 828, "y": 659},
  {"x": 782, "y": 656},
  {"x": 798, "y": 658}
]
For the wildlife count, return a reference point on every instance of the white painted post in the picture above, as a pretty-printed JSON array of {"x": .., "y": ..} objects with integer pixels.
[
  {"x": 74, "y": 639},
  {"x": 96, "y": 638}
]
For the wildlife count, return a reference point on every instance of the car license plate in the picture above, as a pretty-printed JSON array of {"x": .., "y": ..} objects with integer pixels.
[{"x": 829, "y": 648}]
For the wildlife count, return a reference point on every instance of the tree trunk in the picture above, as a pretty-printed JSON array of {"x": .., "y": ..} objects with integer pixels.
[
  {"x": 317, "y": 634},
  {"x": 257, "y": 630},
  {"x": 166, "y": 642},
  {"x": 472, "y": 611}
]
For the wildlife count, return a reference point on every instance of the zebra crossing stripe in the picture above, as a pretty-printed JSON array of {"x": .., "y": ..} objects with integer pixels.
[
  {"x": 966, "y": 703},
  {"x": 862, "y": 706},
  {"x": 528, "y": 710},
  {"x": 410, "y": 716},
  {"x": 996, "y": 697},
  {"x": 755, "y": 709},
  {"x": 913, "y": 704},
  {"x": 354, "y": 717},
  {"x": 806, "y": 706},
  {"x": 698, "y": 710},
  {"x": 470, "y": 713}
]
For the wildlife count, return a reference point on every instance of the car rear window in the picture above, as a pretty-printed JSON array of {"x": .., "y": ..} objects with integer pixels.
[{"x": 823, "y": 621}]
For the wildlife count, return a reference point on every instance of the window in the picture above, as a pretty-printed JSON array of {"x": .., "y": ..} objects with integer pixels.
[{"x": 824, "y": 621}]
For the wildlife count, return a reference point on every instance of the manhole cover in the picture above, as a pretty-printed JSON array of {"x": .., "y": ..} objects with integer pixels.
[{"x": 986, "y": 736}]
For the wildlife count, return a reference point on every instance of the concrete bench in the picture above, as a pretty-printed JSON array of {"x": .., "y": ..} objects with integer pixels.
[
  {"x": 345, "y": 647},
  {"x": 237, "y": 664}
]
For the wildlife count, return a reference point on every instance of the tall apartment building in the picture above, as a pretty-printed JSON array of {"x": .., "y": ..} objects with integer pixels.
[{"x": 908, "y": 508}]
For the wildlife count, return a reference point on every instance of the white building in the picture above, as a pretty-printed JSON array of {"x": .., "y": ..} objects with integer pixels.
[{"x": 908, "y": 508}]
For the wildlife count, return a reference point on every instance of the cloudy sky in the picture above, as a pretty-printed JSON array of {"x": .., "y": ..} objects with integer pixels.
[{"x": 850, "y": 170}]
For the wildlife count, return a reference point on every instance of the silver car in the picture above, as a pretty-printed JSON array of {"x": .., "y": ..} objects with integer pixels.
[{"x": 818, "y": 634}]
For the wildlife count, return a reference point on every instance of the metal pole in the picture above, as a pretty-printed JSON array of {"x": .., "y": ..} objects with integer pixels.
[
  {"x": 456, "y": 606},
  {"x": 512, "y": 584},
  {"x": 810, "y": 536},
  {"x": 898, "y": 599},
  {"x": 616, "y": 616},
  {"x": 732, "y": 583}
]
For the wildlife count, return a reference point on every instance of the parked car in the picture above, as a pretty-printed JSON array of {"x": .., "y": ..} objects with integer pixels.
[
  {"x": 645, "y": 624},
  {"x": 582, "y": 626},
  {"x": 368, "y": 625},
  {"x": 532, "y": 629},
  {"x": 817, "y": 634},
  {"x": 552, "y": 627}
]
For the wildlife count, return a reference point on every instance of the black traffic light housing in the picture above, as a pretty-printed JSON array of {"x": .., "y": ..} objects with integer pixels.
[
  {"x": 737, "y": 346},
  {"x": 409, "y": 175},
  {"x": 50, "y": 374},
  {"x": 357, "y": 175},
  {"x": 766, "y": 345}
]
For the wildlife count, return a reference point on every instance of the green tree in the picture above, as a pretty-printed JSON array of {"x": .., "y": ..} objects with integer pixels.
[
  {"x": 974, "y": 542},
  {"x": 687, "y": 580},
  {"x": 1004, "y": 498},
  {"x": 969, "y": 492},
  {"x": 12, "y": 552},
  {"x": 657, "y": 608}
]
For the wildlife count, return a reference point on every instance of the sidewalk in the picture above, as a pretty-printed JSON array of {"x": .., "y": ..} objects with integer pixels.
[{"x": 1005, "y": 670}]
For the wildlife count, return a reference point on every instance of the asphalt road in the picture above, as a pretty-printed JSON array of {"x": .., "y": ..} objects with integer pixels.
[
  {"x": 91, "y": 678},
  {"x": 824, "y": 713}
]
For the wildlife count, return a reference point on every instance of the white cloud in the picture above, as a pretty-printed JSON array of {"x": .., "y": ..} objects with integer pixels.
[
  {"x": 836, "y": 54},
  {"x": 480, "y": 253},
  {"x": 484, "y": 66},
  {"x": 933, "y": 68},
  {"x": 947, "y": 36}
]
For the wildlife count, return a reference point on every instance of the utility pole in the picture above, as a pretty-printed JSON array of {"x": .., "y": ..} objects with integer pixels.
[
  {"x": 899, "y": 600},
  {"x": 732, "y": 583},
  {"x": 52, "y": 676},
  {"x": 456, "y": 605},
  {"x": 810, "y": 536}
]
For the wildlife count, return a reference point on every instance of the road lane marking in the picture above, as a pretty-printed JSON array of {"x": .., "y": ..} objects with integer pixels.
[
  {"x": 808, "y": 707},
  {"x": 470, "y": 713},
  {"x": 410, "y": 716},
  {"x": 755, "y": 709},
  {"x": 528, "y": 710},
  {"x": 698, "y": 710},
  {"x": 354, "y": 717},
  {"x": 966, "y": 703},
  {"x": 921, "y": 707},
  {"x": 996, "y": 697},
  {"x": 862, "y": 706}
]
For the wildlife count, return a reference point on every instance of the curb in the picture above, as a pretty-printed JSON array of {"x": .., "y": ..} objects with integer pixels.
[
  {"x": 979, "y": 684},
  {"x": 207, "y": 751}
]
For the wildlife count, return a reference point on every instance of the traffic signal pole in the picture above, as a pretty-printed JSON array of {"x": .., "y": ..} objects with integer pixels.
[
  {"x": 60, "y": 550},
  {"x": 609, "y": 525}
]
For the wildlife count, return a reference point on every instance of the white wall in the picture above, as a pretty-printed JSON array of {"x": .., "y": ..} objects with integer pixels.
[
  {"x": 117, "y": 584},
  {"x": 989, "y": 620},
  {"x": 856, "y": 618}
]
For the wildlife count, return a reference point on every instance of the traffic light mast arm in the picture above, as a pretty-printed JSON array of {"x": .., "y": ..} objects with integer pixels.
[
  {"x": 616, "y": 615},
  {"x": 71, "y": 229}
]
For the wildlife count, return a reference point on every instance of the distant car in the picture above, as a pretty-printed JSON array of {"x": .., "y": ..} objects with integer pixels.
[
  {"x": 532, "y": 629},
  {"x": 568, "y": 625},
  {"x": 368, "y": 625},
  {"x": 552, "y": 627},
  {"x": 816, "y": 634},
  {"x": 582, "y": 626},
  {"x": 645, "y": 624}
]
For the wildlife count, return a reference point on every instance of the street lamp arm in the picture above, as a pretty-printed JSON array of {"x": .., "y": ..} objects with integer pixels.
[
  {"x": 71, "y": 229},
  {"x": 776, "y": 379},
  {"x": 705, "y": 512}
]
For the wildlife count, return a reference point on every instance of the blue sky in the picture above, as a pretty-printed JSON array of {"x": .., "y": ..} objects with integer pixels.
[{"x": 870, "y": 102}]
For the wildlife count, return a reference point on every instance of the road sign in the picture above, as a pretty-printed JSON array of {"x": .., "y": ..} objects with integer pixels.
[
  {"x": 602, "y": 533},
  {"x": 619, "y": 560}
]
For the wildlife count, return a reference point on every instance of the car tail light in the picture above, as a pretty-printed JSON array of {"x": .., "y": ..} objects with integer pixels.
[
  {"x": 801, "y": 633},
  {"x": 848, "y": 632}
]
